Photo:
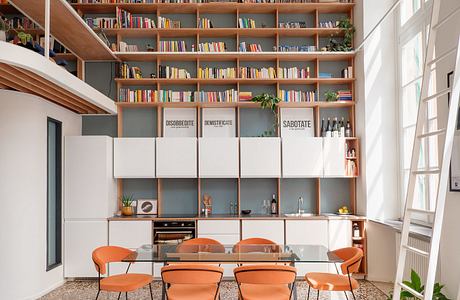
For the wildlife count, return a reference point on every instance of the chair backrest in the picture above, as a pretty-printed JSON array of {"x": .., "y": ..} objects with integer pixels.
[
  {"x": 199, "y": 245},
  {"x": 351, "y": 257},
  {"x": 239, "y": 247},
  {"x": 106, "y": 254},
  {"x": 265, "y": 274},
  {"x": 191, "y": 274}
]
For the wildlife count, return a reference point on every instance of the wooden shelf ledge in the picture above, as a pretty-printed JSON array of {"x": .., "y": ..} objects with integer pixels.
[
  {"x": 243, "y": 104},
  {"x": 250, "y": 81},
  {"x": 30, "y": 72}
]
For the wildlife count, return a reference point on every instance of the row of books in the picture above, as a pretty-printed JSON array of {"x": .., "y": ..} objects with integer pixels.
[
  {"x": 301, "y": 48},
  {"x": 172, "y": 46},
  {"x": 245, "y": 96},
  {"x": 128, "y": 95},
  {"x": 246, "y": 23},
  {"x": 176, "y": 96},
  {"x": 205, "y": 23},
  {"x": 126, "y": 72},
  {"x": 328, "y": 24},
  {"x": 344, "y": 95},
  {"x": 221, "y": 96},
  {"x": 297, "y": 96},
  {"x": 212, "y": 47},
  {"x": 173, "y": 72},
  {"x": 126, "y": 20},
  {"x": 258, "y": 73},
  {"x": 347, "y": 72},
  {"x": 124, "y": 47},
  {"x": 193, "y": 1},
  {"x": 20, "y": 23},
  {"x": 112, "y": 1},
  {"x": 167, "y": 23},
  {"x": 293, "y": 73},
  {"x": 216, "y": 73},
  {"x": 292, "y": 25},
  {"x": 248, "y": 47},
  {"x": 101, "y": 22}
]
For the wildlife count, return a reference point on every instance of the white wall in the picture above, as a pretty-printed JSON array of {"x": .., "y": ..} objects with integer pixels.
[{"x": 23, "y": 135}]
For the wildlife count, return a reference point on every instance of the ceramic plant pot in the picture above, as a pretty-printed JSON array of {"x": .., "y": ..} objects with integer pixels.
[{"x": 127, "y": 210}]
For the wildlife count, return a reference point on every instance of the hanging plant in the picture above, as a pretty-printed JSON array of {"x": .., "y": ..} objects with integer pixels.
[
  {"x": 347, "y": 42},
  {"x": 269, "y": 101}
]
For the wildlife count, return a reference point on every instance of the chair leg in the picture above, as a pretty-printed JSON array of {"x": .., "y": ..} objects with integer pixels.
[
  {"x": 150, "y": 288},
  {"x": 126, "y": 294},
  {"x": 317, "y": 296},
  {"x": 98, "y": 294},
  {"x": 353, "y": 294},
  {"x": 119, "y": 294},
  {"x": 308, "y": 293},
  {"x": 346, "y": 296}
]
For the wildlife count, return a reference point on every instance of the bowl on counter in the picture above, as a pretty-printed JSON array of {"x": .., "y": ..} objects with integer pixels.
[{"x": 246, "y": 211}]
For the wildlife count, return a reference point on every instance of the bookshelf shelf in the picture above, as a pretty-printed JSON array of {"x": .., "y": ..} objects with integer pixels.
[
  {"x": 248, "y": 104},
  {"x": 153, "y": 81}
]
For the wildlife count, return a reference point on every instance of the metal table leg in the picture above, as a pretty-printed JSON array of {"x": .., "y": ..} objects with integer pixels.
[{"x": 163, "y": 288}]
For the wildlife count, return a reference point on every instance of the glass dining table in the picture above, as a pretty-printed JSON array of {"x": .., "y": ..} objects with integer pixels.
[{"x": 232, "y": 254}]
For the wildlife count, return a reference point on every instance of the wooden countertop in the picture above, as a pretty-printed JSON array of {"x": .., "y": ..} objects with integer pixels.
[{"x": 234, "y": 217}]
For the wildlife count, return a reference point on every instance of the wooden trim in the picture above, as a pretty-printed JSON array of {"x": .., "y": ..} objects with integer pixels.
[{"x": 81, "y": 69}]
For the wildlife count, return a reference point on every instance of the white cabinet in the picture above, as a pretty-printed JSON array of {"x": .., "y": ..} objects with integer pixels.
[
  {"x": 134, "y": 157},
  {"x": 308, "y": 232},
  {"x": 80, "y": 239},
  {"x": 267, "y": 229},
  {"x": 89, "y": 186},
  {"x": 334, "y": 157},
  {"x": 131, "y": 235},
  {"x": 302, "y": 157},
  {"x": 218, "y": 158},
  {"x": 176, "y": 157},
  {"x": 227, "y": 232},
  {"x": 260, "y": 157},
  {"x": 339, "y": 234}
]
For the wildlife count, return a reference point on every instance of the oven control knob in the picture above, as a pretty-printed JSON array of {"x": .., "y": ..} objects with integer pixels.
[
  {"x": 182, "y": 224},
  {"x": 166, "y": 224}
]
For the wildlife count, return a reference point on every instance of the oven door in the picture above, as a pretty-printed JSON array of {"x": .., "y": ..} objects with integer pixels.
[{"x": 173, "y": 237}]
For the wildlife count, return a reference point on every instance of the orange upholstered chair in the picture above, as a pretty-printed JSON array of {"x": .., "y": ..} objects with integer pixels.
[
  {"x": 199, "y": 245},
  {"x": 336, "y": 282},
  {"x": 192, "y": 281},
  {"x": 122, "y": 282},
  {"x": 250, "y": 245},
  {"x": 265, "y": 282}
]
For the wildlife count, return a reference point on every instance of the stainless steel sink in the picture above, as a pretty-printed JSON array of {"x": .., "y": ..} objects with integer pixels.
[{"x": 299, "y": 215}]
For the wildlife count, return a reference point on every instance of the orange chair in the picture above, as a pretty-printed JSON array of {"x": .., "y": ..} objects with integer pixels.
[
  {"x": 199, "y": 245},
  {"x": 122, "y": 282},
  {"x": 192, "y": 281},
  {"x": 250, "y": 245},
  {"x": 265, "y": 282},
  {"x": 336, "y": 282}
]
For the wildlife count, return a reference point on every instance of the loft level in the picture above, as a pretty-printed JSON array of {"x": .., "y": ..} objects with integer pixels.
[{"x": 248, "y": 104}]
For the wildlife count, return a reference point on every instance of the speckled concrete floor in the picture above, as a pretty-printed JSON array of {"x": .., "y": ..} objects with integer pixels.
[{"x": 87, "y": 289}]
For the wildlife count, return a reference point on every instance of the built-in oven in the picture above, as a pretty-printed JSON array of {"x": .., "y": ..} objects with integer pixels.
[{"x": 173, "y": 232}]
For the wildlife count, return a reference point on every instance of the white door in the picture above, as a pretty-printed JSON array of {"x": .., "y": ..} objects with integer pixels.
[
  {"x": 131, "y": 235},
  {"x": 260, "y": 157},
  {"x": 308, "y": 232},
  {"x": 218, "y": 158},
  {"x": 302, "y": 157},
  {"x": 134, "y": 157},
  {"x": 267, "y": 229},
  {"x": 81, "y": 238},
  {"x": 334, "y": 157},
  {"x": 176, "y": 157},
  {"x": 339, "y": 236}
]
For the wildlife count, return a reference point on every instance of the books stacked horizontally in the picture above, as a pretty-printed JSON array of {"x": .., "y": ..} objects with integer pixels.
[
  {"x": 301, "y": 48},
  {"x": 126, "y": 72},
  {"x": 173, "y": 72},
  {"x": 344, "y": 95},
  {"x": 216, "y": 73},
  {"x": 297, "y": 96},
  {"x": 347, "y": 72},
  {"x": 245, "y": 47},
  {"x": 325, "y": 75},
  {"x": 126, "y": 20},
  {"x": 124, "y": 47},
  {"x": 246, "y": 23},
  {"x": 258, "y": 73},
  {"x": 101, "y": 22},
  {"x": 167, "y": 23},
  {"x": 293, "y": 73},
  {"x": 212, "y": 47},
  {"x": 176, "y": 96},
  {"x": 172, "y": 46},
  {"x": 127, "y": 95},
  {"x": 223, "y": 96},
  {"x": 292, "y": 25},
  {"x": 245, "y": 96},
  {"x": 205, "y": 23}
]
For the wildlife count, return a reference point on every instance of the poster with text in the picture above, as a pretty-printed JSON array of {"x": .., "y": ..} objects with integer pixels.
[
  {"x": 218, "y": 122},
  {"x": 179, "y": 122},
  {"x": 297, "y": 122}
]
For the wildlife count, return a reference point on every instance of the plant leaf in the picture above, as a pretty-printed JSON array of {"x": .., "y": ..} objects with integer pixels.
[{"x": 417, "y": 282}]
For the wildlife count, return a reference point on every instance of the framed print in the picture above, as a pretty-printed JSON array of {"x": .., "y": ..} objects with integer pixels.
[
  {"x": 454, "y": 182},
  {"x": 147, "y": 207}
]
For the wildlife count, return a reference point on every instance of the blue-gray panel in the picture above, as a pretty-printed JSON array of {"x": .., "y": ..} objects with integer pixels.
[
  {"x": 254, "y": 121},
  {"x": 222, "y": 191},
  {"x": 140, "y": 122},
  {"x": 179, "y": 196},
  {"x": 254, "y": 191},
  {"x": 292, "y": 189},
  {"x": 142, "y": 42},
  {"x": 335, "y": 193},
  {"x": 100, "y": 76},
  {"x": 324, "y": 41},
  {"x": 221, "y": 20},
  {"x": 332, "y": 17},
  {"x": 333, "y": 67},
  {"x": 100, "y": 125},
  {"x": 140, "y": 188}
]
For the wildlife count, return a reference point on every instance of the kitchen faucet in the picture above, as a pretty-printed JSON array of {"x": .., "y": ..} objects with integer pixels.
[{"x": 299, "y": 204}]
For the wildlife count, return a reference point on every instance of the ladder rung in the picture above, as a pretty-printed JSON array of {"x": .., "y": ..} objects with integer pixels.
[
  {"x": 421, "y": 211},
  {"x": 431, "y": 133},
  {"x": 410, "y": 290},
  {"x": 443, "y": 56},
  {"x": 426, "y": 171},
  {"x": 416, "y": 251},
  {"x": 439, "y": 94},
  {"x": 446, "y": 19}
]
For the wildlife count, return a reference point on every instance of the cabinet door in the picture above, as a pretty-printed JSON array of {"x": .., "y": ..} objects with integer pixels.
[
  {"x": 222, "y": 227},
  {"x": 260, "y": 157},
  {"x": 81, "y": 238},
  {"x": 339, "y": 234},
  {"x": 334, "y": 157},
  {"x": 131, "y": 235},
  {"x": 267, "y": 229},
  {"x": 218, "y": 157},
  {"x": 302, "y": 157},
  {"x": 134, "y": 157},
  {"x": 176, "y": 158}
]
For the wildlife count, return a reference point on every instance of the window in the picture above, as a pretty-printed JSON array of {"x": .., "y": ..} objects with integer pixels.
[
  {"x": 413, "y": 36},
  {"x": 54, "y": 195}
]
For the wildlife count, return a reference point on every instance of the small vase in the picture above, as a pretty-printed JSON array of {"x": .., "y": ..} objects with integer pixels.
[{"x": 127, "y": 210}]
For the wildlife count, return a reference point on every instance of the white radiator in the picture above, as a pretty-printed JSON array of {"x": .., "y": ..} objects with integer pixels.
[{"x": 416, "y": 262}]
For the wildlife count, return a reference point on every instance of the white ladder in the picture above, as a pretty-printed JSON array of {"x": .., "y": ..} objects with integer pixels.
[{"x": 442, "y": 171}]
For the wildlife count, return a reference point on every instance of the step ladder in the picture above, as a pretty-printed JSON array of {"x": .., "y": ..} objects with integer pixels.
[{"x": 422, "y": 132}]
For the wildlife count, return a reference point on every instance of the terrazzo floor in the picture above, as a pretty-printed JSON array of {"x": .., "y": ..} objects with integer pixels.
[{"x": 87, "y": 289}]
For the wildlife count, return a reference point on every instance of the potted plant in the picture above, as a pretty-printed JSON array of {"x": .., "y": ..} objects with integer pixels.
[
  {"x": 270, "y": 102},
  {"x": 126, "y": 202},
  {"x": 347, "y": 41},
  {"x": 3, "y": 29},
  {"x": 330, "y": 96}
]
